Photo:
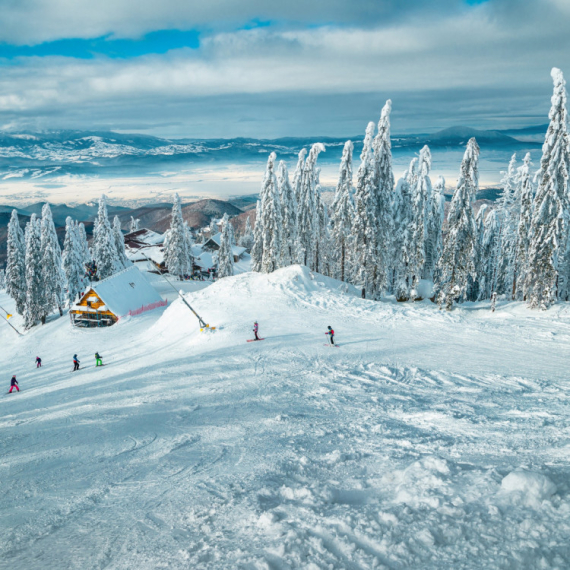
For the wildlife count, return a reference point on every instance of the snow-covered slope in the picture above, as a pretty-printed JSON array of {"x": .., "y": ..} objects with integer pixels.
[{"x": 428, "y": 440}]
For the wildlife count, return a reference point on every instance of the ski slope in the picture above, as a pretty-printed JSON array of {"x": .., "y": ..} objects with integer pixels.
[{"x": 428, "y": 440}]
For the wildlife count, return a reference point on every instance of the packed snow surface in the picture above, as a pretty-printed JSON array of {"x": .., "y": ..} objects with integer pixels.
[{"x": 428, "y": 440}]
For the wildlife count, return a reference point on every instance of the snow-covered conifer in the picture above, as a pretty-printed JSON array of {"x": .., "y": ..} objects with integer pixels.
[
  {"x": 134, "y": 225},
  {"x": 246, "y": 239},
  {"x": 16, "y": 265},
  {"x": 2, "y": 279},
  {"x": 308, "y": 215},
  {"x": 456, "y": 268},
  {"x": 120, "y": 243},
  {"x": 289, "y": 209},
  {"x": 86, "y": 254},
  {"x": 421, "y": 193},
  {"x": 34, "y": 310},
  {"x": 546, "y": 277},
  {"x": 365, "y": 223},
  {"x": 53, "y": 277},
  {"x": 342, "y": 213},
  {"x": 298, "y": 175},
  {"x": 72, "y": 261},
  {"x": 489, "y": 229},
  {"x": 435, "y": 216},
  {"x": 403, "y": 227},
  {"x": 257, "y": 247},
  {"x": 176, "y": 254},
  {"x": 225, "y": 255},
  {"x": 104, "y": 246},
  {"x": 384, "y": 183},
  {"x": 523, "y": 231},
  {"x": 271, "y": 219}
]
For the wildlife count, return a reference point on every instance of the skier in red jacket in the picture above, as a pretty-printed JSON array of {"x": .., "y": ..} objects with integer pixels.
[
  {"x": 331, "y": 332},
  {"x": 255, "y": 329}
]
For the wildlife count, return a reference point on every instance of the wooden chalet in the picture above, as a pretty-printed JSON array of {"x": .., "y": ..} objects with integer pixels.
[
  {"x": 126, "y": 293},
  {"x": 213, "y": 244}
]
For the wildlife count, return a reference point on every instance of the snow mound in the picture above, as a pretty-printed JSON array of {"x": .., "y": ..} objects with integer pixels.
[{"x": 527, "y": 488}]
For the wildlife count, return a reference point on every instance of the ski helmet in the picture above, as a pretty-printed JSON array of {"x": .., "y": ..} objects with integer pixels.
[{"x": 329, "y": 327}]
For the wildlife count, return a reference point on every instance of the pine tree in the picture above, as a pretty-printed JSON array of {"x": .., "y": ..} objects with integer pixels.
[
  {"x": 489, "y": 229},
  {"x": 271, "y": 219},
  {"x": 246, "y": 239},
  {"x": 53, "y": 277},
  {"x": 134, "y": 225},
  {"x": 257, "y": 248},
  {"x": 456, "y": 268},
  {"x": 365, "y": 224},
  {"x": 104, "y": 246},
  {"x": 189, "y": 244},
  {"x": 34, "y": 310},
  {"x": 308, "y": 211},
  {"x": 72, "y": 261},
  {"x": 298, "y": 175},
  {"x": 289, "y": 208},
  {"x": 508, "y": 231},
  {"x": 2, "y": 280},
  {"x": 342, "y": 214},
  {"x": 546, "y": 279},
  {"x": 322, "y": 260},
  {"x": 384, "y": 185},
  {"x": 403, "y": 227},
  {"x": 176, "y": 255},
  {"x": 435, "y": 216},
  {"x": 124, "y": 261},
  {"x": 523, "y": 230},
  {"x": 86, "y": 254},
  {"x": 421, "y": 194},
  {"x": 16, "y": 266},
  {"x": 225, "y": 255}
]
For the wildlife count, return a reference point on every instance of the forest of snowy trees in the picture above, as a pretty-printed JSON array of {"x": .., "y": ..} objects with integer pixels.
[
  {"x": 41, "y": 278},
  {"x": 388, "y": 237}
]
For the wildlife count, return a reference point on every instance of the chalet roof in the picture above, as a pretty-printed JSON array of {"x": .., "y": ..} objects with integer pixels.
[
  {"x": 147, "y": 252},
  {"x": 124, "y": 292},
  {"x": 144, "y": 236},
  {"x": 217, "y": 238}
]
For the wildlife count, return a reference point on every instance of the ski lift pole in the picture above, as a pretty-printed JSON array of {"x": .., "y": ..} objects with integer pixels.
[{"x": 203, "y": 324}]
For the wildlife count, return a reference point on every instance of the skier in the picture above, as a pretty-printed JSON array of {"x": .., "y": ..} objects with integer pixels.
[
  {"x": 255, "y": 329},
  {"x": 98, "y": 360},
  {"x": 75, "y": 363},
  {"x": 13, "y": 384},
  {"x": 331, "y": 332},
  {"x": 38, "y": 362}
]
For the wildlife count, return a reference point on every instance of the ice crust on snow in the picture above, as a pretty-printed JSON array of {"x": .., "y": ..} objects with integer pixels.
[{"x": 426, "y": 442}]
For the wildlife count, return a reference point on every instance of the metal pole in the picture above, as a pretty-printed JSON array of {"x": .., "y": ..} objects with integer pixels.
[
  {"x": 200, "y": 319},
  {"x": 10, "y": 324}
]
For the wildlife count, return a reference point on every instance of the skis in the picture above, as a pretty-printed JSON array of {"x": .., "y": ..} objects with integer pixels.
[
  {"x": 333, "y": 345},
  {"x": 254, "y": 339}
]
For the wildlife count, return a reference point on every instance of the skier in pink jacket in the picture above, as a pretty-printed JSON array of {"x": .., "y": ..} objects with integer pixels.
[{"x": 255, "y": 329}]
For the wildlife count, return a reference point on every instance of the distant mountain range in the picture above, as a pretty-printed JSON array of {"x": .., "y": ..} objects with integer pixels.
[{"x": 36, "y": 155}]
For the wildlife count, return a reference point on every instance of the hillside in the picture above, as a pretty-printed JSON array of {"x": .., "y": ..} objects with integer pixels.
[{"x": 428, "y": 440}]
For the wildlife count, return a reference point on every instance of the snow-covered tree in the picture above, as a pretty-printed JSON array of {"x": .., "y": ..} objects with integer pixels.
[
  {"x": 507, "y": 241},
  {"x": 246, "y": 239},
  {"x": 104, "y": 246},
  {"x": 2, "y": 279},
  {"x": 384, "y": 185},
  {"x": 120, "y": 243},
  {"x": 16, "y": 266},
  {"x": 546, "y": 277},
  {"x": 322, "y": 259},
  {"x": 489, "y": 230},
  {"x": 72, "y": 261},
  {"x": 365, "y": 223},
  {"x": 34, "y": 310},
  {"x": 86, "y": 254},
  {"x": 298, "y": 175},
  {"x": 342, "y": 213},
  {"x": 134, "y": 225},
  {"x": 523, "y": 231},
  {"x": 257, "y": 248},
  {"x": 225, "y": 255},
  {"x": 455, "y": 269},
  {"x": 289, "y": 209},
  {"x": 189, "y": 244},
  {"x": 421, "y": 193},
  {"x": 403, "y": 227},
  {"x": 271, "y": 219},
  {"x": 53, "y": 277},
  {"x": 176, "y": 254},
  {"x": 435, "y": 215},
  {"x": 308, "y": 215}
]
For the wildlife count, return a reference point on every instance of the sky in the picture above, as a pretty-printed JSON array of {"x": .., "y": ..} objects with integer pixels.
[{"x": 266, "y": 69}]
